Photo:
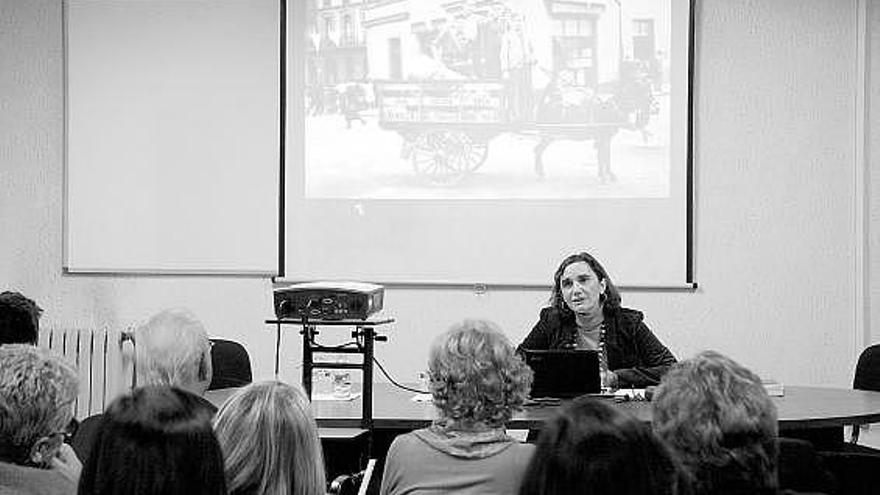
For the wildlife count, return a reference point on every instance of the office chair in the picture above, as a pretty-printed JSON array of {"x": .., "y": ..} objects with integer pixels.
[
  {"x": 802, "y": 469},
  {"x": 867, "y": 377},
  {"x": 231, "y": 365},
  {"x": 857, "y": 467},
  {"x": 856, "y": 473}
]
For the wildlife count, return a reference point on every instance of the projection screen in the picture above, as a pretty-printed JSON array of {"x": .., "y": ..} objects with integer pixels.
[{"x": 482, "y": 141}]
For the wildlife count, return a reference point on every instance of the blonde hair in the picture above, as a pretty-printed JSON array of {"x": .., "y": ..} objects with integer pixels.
[
  {"x": 173, "y": 349},
  {"x": 476, "y": 377},
  {"x": 270, "y": 441}
]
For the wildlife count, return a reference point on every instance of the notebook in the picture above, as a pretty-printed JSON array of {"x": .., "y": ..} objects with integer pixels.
[{"x": 563, "y": 373}]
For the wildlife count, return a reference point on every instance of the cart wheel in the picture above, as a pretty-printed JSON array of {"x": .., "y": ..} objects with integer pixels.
[
  {"x": 446, "y": 157},
  {"x": 479, "y": 152}
]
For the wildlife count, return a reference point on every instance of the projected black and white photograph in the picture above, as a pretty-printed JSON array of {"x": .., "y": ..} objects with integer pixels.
[{"x": 491, "y": 99}]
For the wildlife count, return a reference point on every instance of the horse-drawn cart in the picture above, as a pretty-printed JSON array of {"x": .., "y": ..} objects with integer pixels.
[{"x": 447, "y": 125}]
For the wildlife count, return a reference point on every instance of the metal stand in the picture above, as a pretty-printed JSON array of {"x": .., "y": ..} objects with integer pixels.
[{"x": 365, "y": 336}]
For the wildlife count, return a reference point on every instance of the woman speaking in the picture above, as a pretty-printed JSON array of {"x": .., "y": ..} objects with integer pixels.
[{"x": 585, "y": 313}]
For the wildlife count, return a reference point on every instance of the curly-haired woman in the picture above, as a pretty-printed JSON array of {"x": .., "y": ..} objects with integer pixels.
[{"x": 477, "y": 383}]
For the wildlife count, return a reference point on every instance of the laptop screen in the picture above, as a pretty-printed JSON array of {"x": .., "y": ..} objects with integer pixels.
[{"x": 563, "y": 373}]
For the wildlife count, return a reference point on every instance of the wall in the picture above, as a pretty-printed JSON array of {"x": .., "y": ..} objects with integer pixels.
[
  {"x": 777, "y": 234},
  {"x": 872, "y": 154}
]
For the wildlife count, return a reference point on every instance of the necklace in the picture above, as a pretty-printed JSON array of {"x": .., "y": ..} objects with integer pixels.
[{"x": 603, "y": 356}]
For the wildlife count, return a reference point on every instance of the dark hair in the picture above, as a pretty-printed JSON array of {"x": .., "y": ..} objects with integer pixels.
[
  {"x": 155, "y": 440},
  {"x": 612, "y": 296},
  {"x": 19, "y": 319},
  {"x": 590, "y": 447},
  {"x": 716, "y": 415}
]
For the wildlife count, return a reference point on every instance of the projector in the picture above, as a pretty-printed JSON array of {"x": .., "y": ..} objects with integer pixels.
[{"x": 328, "y": 300}]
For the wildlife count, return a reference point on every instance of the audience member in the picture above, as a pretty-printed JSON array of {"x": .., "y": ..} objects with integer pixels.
[
  {"x": 172, "y": 348},
  {"x": 19, "y": 319},
  {"x": 591, "y": 447},
  {"x": 716, "y": 415},
  {"x": 155, "y": 441},
  {"x": 270, "y": 441},
  {"x": 477, "y": 382},
  {"x": 37, "y": 391}
]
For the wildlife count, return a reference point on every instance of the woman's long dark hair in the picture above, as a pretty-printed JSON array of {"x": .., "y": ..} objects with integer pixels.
[
  {"x": 591, "y": 447},
  {"x": 155, "y": 440},
  {"x": 611, "y": 299}
]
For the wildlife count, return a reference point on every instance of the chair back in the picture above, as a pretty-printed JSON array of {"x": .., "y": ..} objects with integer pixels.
[
  {"x": 856, "y": 473},
  {"x": 231, "y": 365},
  {"x": 867, "y": 375},
  {"x": 801, "y": 468}
]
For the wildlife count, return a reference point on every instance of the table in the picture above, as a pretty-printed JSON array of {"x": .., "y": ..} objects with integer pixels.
[
  {"x": 801, "y": 408},
  {"x": 810, "y": 413}
]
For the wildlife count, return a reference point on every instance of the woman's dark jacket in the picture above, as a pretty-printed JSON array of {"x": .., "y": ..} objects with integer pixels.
[{"x": 637, "y": 357}]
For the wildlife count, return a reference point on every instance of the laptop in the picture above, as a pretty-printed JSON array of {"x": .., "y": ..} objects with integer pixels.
[{"x": 563, "y": 373}]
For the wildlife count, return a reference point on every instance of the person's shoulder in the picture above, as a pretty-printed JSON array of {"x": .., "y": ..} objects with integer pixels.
[
  {"x": 408, "y": 448},
  {"x": 550, "y": 314},
  {"x": 627, "y": 320},
  {"x": 93, "y": 419},
  {"x": 524, "y": 448},
  {"x": 405, "y": 441},
  {"x": 520, "y": 454},
  {"x": 26, "y": 480},
  {"x": 548, "y": 310},
  {"x": 631, "y": 315},
  {"x": 85, "y": 435}
]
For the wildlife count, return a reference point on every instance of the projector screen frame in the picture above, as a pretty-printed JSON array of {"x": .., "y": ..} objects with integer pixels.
[{"x": 298, "y": 107}]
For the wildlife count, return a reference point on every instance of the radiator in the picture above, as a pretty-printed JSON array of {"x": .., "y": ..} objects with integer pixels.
[{"x": 102, "y": 362}]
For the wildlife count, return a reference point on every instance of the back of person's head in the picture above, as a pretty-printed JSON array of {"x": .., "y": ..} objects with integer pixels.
[
  {"x": 270, "y": 441},
  {"x": 719, "y": 419},
  {"x": 476, "y": 377},
  {"x": 155, "y": 440},
  {"x": 37, "y": 392},
  {"x": 19, "y": 319},
  {"x": 172, "y": 348},
  {"x": 590, "y": 447}
]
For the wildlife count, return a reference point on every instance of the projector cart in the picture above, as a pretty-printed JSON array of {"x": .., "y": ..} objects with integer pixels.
[{"x": 365, "y": 337}]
